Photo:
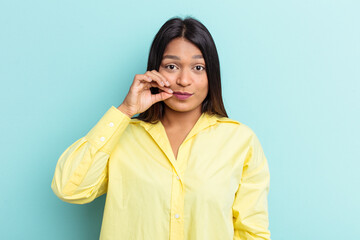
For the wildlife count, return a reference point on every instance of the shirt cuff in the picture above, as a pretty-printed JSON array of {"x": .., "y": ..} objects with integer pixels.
[{"x": 107, "y": 131}]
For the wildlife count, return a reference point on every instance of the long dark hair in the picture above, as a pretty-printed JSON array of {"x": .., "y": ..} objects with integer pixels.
[{"x": 194, "y": 31}]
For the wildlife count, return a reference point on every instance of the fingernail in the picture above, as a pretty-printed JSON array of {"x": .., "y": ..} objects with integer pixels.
[
  {"x": 167, "y": 82},
  {"x": 162, "y": 83},
  {"x": 171, "y": 91}
]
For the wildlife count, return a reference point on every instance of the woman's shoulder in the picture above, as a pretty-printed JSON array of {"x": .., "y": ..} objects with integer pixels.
[
  {"x": 234, "y": 126},
  {"x": 137, "y": 123}
]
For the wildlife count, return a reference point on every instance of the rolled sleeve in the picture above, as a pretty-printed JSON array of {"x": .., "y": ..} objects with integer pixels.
[{"x": 81, "y": 172}]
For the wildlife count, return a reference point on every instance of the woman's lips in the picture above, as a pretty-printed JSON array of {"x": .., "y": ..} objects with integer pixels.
[{"x": 182, "y": 95}]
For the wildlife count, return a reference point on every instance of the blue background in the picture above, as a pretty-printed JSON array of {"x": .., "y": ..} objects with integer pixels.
[{"x": 290, "y": 71}]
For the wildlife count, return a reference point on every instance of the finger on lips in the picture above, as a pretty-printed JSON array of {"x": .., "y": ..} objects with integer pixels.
[
  {"x": 166, "y": 89},
  {"x": 159, "y": 81},
  {"x": 159, "y": 78},
  {"x": 155, "y": 80}
]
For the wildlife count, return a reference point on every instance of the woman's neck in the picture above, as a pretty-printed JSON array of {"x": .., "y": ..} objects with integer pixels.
[{"x": 181, "y": 120}]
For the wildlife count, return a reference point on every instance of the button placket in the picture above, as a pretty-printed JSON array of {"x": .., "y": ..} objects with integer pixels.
[{"x": 177, "y": 208}]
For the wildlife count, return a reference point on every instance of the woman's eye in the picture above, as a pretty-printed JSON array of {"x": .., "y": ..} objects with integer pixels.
[
  {"x": 199, "y": 68},
  {"x": 170, "y": 66}
]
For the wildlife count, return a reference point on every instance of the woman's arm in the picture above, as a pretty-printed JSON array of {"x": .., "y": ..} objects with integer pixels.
[
  {"x": 81, "y": 172},
  {"x": 250, "y": 208}
]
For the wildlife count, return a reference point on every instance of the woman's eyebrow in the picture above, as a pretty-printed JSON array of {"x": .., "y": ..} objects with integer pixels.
[
  {"x": 171, "y": 57},
  {"x": 178, "y": 58},
  {"x": 197, "y": 56}
]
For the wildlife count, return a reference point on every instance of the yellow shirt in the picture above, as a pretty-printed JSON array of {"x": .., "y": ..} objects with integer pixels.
[{"x": 216, "y": 189}]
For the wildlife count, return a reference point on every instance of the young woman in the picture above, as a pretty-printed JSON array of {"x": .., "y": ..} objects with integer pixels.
[{"x": 181, "y": 169}]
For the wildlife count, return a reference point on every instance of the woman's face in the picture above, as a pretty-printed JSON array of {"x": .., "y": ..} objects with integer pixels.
[{"x": 184, "y": 67}]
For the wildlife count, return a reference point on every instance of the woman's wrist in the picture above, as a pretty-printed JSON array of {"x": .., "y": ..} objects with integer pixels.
[{"x": 125, "y": 110}]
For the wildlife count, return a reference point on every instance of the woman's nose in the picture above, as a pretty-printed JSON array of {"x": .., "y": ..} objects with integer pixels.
[{"x": 183, "y": 79}]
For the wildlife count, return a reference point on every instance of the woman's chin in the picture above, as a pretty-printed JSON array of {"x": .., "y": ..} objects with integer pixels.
[{"x": 181, "y": 107}]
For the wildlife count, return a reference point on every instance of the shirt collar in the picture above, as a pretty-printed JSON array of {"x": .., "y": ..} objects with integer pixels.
[
  {"x": 158, "y": 133},
  {"x": 205, "y": 120}
]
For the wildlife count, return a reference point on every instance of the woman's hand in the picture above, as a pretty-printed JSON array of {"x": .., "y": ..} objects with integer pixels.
[{"x": 139, "y": 97}]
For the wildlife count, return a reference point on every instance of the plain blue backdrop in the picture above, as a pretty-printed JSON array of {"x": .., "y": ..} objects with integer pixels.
[{"x": 290, "y": 71}]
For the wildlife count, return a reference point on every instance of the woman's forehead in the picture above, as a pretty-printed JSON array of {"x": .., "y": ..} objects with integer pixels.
[{"x": 181, "y": 46}]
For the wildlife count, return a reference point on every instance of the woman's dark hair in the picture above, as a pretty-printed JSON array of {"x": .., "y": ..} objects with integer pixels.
[{"x": 195, "y": 32}]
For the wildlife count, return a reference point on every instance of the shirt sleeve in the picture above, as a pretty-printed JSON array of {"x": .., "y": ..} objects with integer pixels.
[
  {"x": 81, "y": 173},
  {"x": 250, "y": 208}
]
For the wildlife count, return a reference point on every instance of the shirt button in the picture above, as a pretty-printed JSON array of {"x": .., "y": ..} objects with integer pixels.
[
  {"x": 102, "y": 139},
  {"x": 177, "y": 177},
  {"x": 177, "y": 216},
  {"x": 111, "y": 124}
]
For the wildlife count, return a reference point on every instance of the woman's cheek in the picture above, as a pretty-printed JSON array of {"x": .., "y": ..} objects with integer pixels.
[{"x": 170, "y": 77}]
